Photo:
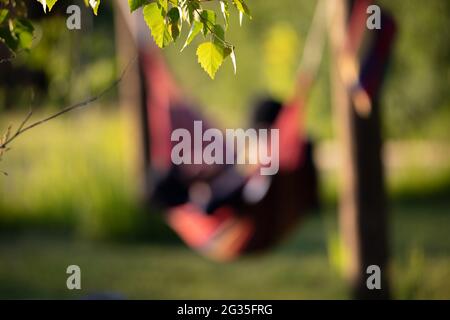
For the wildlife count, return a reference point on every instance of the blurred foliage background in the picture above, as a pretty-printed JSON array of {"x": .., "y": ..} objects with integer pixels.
[{"x": 71, "y": 196}]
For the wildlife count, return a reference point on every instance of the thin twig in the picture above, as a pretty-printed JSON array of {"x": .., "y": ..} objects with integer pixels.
[{"x": 22, "y": 128}]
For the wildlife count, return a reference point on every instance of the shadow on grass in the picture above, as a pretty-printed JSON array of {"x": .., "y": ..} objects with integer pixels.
[{"x": 143, "y": 226}]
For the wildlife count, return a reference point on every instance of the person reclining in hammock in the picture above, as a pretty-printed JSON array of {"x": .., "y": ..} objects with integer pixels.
[
  {"x": 224, "y": 211},
  {"x": 226, "y": 184},
  {"x": 227, "y": 210}
]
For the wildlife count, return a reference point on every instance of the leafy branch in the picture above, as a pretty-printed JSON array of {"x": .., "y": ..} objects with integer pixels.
[{"x": 164, "y": 18}]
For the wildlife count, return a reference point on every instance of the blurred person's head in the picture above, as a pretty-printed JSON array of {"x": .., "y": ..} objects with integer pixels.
[{"x": 265, "y": 112}]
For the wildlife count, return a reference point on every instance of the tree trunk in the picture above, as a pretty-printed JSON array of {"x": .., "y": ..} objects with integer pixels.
[{"x": 362, "y": 216}]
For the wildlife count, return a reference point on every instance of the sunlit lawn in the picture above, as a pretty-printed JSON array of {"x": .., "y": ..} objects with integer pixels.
[
  {"x": 34, "y": 267},
  {"x": 70, "y": 199}
]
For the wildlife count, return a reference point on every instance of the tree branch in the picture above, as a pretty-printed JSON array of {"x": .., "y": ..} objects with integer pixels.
[{"x": 7, "y": 140}]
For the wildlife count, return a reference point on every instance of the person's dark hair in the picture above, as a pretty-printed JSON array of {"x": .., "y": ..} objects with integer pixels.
[{"x": 265, "y": 112}]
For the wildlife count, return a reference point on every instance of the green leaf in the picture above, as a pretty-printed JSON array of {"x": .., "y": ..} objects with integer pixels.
[
  {"x": 164, "y": 4},
  {"x": 225, "y": 8},
  {"x": 6, "y": 36},
  {"x": 18, "y": 34},
  {"x": 196, "y": 28},
  {"x": 136, "y": 4},
  {"x": 94, "y": 5},
  {"x": 190, "y": 9},
  {"x": 208, "y": 18},
  {"x": 44, "y": 4},
  {"x": 3, "y": 15},
  {"x": 233, "y": 60},
  {"x": 219, "y": 34},
  {"x": 155, "y": 19},
  {"x": 174, "y": 23},
  {"x": 211, "y": 56},
  {"x": 24, "y": 32},
  {"x": 47, "y": 3},
  {"x": 51, "y": 3},
  {"x": 242, "y": 7}
]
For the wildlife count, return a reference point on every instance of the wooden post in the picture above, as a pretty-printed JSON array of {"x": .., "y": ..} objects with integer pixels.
[
  {"x": 132, "y": 94},
  {"x": 362, "y": 212}
]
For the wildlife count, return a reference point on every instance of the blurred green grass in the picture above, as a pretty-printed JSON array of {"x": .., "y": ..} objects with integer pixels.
[
  {"x": 33, "y": 266},
  {"x": 70, "y": 182},
  {"x": 72, "y": 176}
]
